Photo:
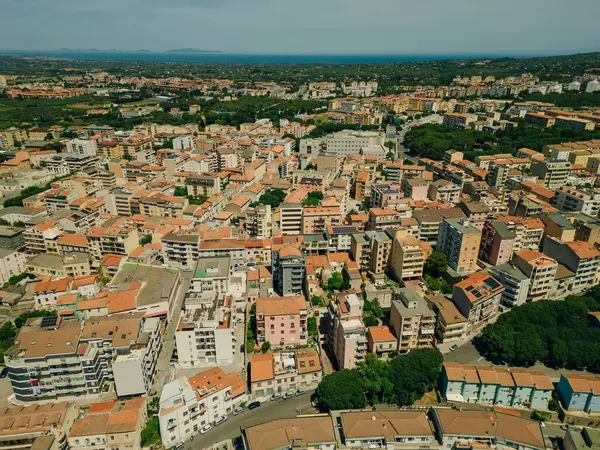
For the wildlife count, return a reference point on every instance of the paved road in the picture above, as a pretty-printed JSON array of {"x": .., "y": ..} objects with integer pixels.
[
  {"x": 280, "y": 409},
  {"x": 468, "y": 354},
  {"x": 163, "y": 371}
]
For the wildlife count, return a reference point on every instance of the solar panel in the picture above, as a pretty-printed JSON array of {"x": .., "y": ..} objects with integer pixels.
[
  {"x": 49, "y": 322},
  {"x": 492, "y": 283},
  {"x": 476, "y": 294}
]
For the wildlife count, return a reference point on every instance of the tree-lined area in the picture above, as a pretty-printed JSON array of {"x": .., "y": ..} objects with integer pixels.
[
  {"x": 561, "y": 334},
  {"x": 400, "y": 381},
  {"x": 432, "y": 140}
]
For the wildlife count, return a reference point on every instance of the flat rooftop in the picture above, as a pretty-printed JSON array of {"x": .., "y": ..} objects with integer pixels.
[{"x": 157, "y": 282}]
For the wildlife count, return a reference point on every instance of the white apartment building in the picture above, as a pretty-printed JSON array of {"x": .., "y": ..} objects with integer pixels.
[
  {"x": 206, "y": 331},
  {"x": 85, "y": 147},
  {"x": 351, "y": 142},
  {"x": 212, "y": 275},
  {"x": 569, "y": 199},
  {"x": 541, "y": 271},
  {"x": 134, "y": 371},
  {"x": 290, "y": 216},
  {"x": 180, "y": 250},
  {"x": 183, "y": 143},
  {"x": 189, "y": 404},
  {"x": 12, "y": 263}
]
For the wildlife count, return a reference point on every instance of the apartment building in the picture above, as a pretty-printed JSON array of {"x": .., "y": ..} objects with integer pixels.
[
  {"x": 87, "y": 147},
  {"x": 290, "y": 217},
  {"x": 189, "y": 404},
  {"x": 281, "y": 321},
  {"x": 444, "y": 191},
  {"x": 412, "y": 321},
  {"x": 202, "y": 185},
  {"x": 575, "y": 123},
  {"x": 429, "y": 221},
  {"x": 289, "y": 267},
  {"x": 212, "y": 275},
  {"x": 496, "y": 386},
  {"x": 360, "y": 185},
  {"x": 385, "y": 195},
  {"x": 497, "y": 242},
  {"x": 458, "y": 119},
  {"x": 74, "y": 359},
  {"x": 569, "y": 199},
  {"x": 580, "y": 257},
  {"x": 37, "y": 426},
  {"x": 371, "y": 250},
  {"x": 180, "y": 250},
  {"x": 451, "y": 324},
  {"x": 259, "y": 222},
  {"x": 381, "y": 341},
  {"x": 303, "y": 432},
  {"x": 478, "y": 297},
  {"x": 383, "y": 219},
  {"x": 315, "y": 219},
  {"x": 408, "y": 257},
  {"x": 516, "y": 284},
  {"x": 554, "y": 173},
  {"x": 579, "y": 392},
  {"x": 47, "y": 292},
  {"x": 345, "y": 331},
  {"x": 43, "y": 237},
  {"x": 206, "y": 332},
  {"x": 110, "y": 149},
  {"x": 12, "y": 263},
  {"x": 541, "y": 271},
  {"x": 278, "y": 373},
  {"x": 528, "y": 232},
  {"x": 459, "y": 241}
]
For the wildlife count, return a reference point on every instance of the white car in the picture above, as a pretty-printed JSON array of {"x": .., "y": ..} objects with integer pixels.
[
  {"x": 206, "y": 429},
  {"x": 220, "y": 420}
]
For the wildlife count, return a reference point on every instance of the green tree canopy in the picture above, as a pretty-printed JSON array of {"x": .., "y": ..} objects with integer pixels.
[
  {"x": 436, "y": 264},
  {"x": 342, "y": 390}
]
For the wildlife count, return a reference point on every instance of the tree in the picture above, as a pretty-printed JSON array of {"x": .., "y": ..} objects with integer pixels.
[
  {"x": 436, "y": 264},
  {"x": 7, "y": 331},
  {"x": 336, "y": 282},
  {"x": 352, "y": 212},
  {"x": 390, "y": 144},
  {"x": 180, "y": 191},
  {"x": 415, "y": 374},
  {"x": 273, "y": 197},
  {"x": 311, "y": 324},
  {"x": 317, "y": 300},
  {"x": 342, "y": 390},
  {"x": 390, "y": 156},
  {"x": 150, "y": 434},
  {"x": 310, "y": 166},
  {"x": 265, "y": 347},
  {"x": 146, "y": 239},
  {"x": 313, "y": 198},
  {"x": 377, "y": 378}
]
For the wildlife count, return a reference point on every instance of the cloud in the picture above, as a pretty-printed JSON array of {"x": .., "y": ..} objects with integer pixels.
[{"x": 307, "y": 26}]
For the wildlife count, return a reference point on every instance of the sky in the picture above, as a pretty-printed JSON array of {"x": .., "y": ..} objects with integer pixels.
[{"x": 426, "y": 27}]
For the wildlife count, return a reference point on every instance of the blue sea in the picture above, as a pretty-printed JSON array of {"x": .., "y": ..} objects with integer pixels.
[{"x": 242, "y": 58}]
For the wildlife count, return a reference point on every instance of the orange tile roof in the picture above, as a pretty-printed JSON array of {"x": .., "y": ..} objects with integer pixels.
[
  {"x": 262, "y": 368},
  {"x": 49, "y": 284},
  {"x": 203, "y": 383},
  {"x": 583, "y": 249},
  {"x": 122, "y": 301},
  {"x": 381, "y": 334},
  {"x": 277, "y": 306}
]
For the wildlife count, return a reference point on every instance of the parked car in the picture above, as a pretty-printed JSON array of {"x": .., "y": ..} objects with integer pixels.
[
  {"x": 254, "y": 405},
  {"x": 288, "y": 394},
  {"x": 453, "y": 347},
  {"x": 178, "y": 447},
  {"x": 300, "y": 392},
  {"x": 238, "y": 410},
  {"x": 206, "y": 429},
  {"x": 275, "y": 397},
  {"x": 4, "y": 373},
  {"x": 220, "y": 420}
]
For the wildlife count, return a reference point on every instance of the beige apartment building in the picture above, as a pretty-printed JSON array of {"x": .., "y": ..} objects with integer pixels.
[
  {"x": 345, "y": 331},
  {"x": 412, "y": 321},
  {"x": 478, "y": 299},
  {"x": 371, "y": 250},
  {"x": 459, "y": 240},
  {"x": 554, "y": 173},
  {"x": 408, "y": 257},
  {"x": 540, "y": 269},
  {"x": 316, "y": 219},
  {"x": 259, "y": 222}
]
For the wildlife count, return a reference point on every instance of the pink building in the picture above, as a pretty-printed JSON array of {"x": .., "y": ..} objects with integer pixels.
[
  {"x": 281, "y": 320},
  {"x": 497, "y": 243}
]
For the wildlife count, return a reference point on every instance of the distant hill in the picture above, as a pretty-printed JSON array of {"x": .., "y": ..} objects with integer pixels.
[{"x": 192, "y": 50}]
